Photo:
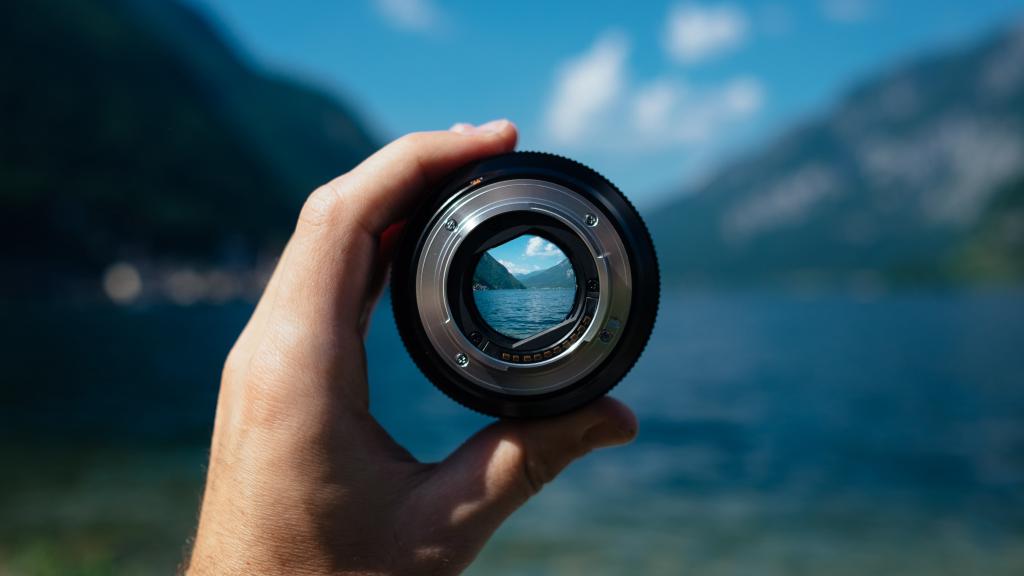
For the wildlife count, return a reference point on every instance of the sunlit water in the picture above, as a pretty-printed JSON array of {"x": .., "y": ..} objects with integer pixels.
[
  {"x": 522, "y": 313},
  {"x": 779, "y": 435}
]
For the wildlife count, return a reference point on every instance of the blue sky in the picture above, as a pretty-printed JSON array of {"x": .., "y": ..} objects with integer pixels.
[
  {"x": 654, "y": 95},
  {"x": 527, "y": 254}
]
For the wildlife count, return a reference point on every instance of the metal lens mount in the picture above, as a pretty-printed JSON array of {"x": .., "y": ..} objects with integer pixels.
[{"x": 566, "y": 365}]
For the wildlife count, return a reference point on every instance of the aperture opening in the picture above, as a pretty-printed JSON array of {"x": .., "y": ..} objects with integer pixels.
[
  {"x": 506, "y": 298},
  {"x": 524, "y": 286}
]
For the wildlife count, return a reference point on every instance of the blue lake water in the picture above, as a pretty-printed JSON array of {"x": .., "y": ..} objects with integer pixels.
[
  {"x": 779, "y": 434},
  {"x": 522, "y": 313}
]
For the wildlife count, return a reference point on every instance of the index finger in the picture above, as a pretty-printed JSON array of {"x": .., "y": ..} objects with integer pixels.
[
  {"x": 330, "y": 257},
  {"x": 382, "y": 189}
]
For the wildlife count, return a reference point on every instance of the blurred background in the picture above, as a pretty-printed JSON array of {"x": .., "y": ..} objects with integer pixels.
[{"x": 835, "y": 187}]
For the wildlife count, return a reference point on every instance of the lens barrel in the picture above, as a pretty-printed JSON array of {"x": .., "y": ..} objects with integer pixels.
[{"x": 610, "y": 264}]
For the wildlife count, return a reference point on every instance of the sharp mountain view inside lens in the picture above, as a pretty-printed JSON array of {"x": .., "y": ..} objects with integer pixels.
[{"x": 524, "y": 286}]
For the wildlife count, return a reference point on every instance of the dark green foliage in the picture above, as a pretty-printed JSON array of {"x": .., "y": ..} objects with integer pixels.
[
  {"x": 491, "y": 275},
  {"x": 130, "y": 130},
  {"x": 995, "y": 248}
]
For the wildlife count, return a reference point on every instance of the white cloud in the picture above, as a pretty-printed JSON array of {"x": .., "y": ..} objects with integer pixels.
[
  {"x": 413, "y": 15},
  {"x": 518, "y": 269},
  {"x": 846, "y": 11},
  {"x": 668, "y": 113},
  {"x": 695, "y": 33},
  {"x": 586, "y": 87},
  {"x": 537, "y": 246},
  {"x": 596, "y": 106},
  {"x": 742, "y": 97},
  {"x": 653, "y": 105}
]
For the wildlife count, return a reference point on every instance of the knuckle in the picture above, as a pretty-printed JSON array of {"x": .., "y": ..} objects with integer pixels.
[
  {"x": 536, "y": 471},
  {"x": 410, "y": 145},
  {"x": 232, "y": 365},
  {"x": 322, "y": 207},
  {"x": 529, "y": 463},
  {"x": 412, "y": 140}
]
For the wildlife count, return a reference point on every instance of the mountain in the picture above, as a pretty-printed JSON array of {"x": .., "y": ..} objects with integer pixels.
[
  {"x": 491, "y": 275},
  {"x": 994, "y": 249},
  {"x": 560, "y": 275},
  {"x": 132, "y": 130},
  {"x": 899, "y": 183}
]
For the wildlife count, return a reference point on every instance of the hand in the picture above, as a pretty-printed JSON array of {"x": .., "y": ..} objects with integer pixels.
[{"x": 302, "y": 479}]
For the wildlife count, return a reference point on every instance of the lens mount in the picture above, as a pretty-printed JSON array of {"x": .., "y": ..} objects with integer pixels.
[{"x": 485, "y": 205}]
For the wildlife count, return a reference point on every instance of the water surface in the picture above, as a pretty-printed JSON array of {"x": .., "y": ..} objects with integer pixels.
[
  {"x": 522, "y": 313},
  {"x": 778, "y": 435}
]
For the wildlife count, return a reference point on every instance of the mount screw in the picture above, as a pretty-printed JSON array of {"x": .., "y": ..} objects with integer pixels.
[
  {"x": 590, "y": 220},
  {"x": 605, "y": 336},
  {"x": 592, "y": 285},
  {"x": 461, "y": 360},
  {"x": 450, "y": 225}
]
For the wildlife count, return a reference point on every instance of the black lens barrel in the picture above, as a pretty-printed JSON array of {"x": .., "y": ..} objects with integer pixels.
[{"x": 612, "y": 207}]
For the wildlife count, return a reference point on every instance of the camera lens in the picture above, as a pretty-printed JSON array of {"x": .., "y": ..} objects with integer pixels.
[{"x": 525, "y": 286}]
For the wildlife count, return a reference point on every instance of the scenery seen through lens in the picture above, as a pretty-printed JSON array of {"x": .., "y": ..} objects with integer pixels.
[{"x": 524, "y": 286}]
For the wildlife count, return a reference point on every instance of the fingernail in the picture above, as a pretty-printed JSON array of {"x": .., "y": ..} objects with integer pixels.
[
  {"x": 491, "y": 127},
  {"x": 461, "y": 128}
]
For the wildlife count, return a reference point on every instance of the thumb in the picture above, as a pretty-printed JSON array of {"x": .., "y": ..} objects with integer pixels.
[{"x": 497, "y": 470}]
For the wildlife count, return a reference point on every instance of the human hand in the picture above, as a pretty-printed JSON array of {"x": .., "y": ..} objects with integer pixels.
[{"x": 302, "y": 479}]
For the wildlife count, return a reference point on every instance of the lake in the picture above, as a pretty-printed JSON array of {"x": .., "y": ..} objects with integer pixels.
[
  {"x": 522, "y": 313},
  {"x": 779, "y": 434}
]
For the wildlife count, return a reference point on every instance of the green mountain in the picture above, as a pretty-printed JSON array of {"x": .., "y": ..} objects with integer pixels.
[
  {"x": 560, "y": 275},
  {"x": 905, "y": 181},
  {"x": 491, "y": 275},
  {"x": 994, "y": 250},
  {"x": 132, "y": 130}
]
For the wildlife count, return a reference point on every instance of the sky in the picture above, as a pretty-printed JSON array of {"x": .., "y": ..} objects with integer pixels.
[
  {"x": 654, "y": 95},
  {"x": 527, "y": 254}
]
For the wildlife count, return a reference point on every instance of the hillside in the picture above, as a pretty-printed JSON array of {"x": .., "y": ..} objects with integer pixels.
[
  {"x": 491, "y": 275},
  {"x": 994, "y": 249},
  {"x": 892, "y": 186},
  {"x": 131, "y": 130},
  {"x": 560, "y": 275}
]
